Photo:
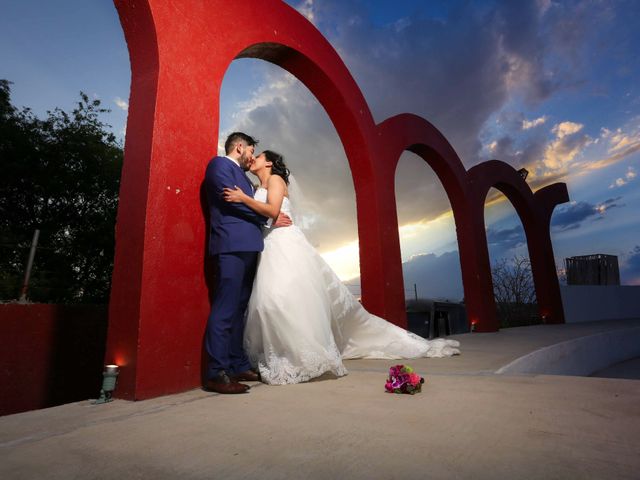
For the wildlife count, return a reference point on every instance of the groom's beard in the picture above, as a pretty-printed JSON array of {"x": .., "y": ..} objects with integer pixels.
[{"x": 245, "y": 163}]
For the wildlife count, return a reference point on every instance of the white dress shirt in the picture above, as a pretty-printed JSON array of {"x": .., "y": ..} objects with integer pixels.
[{"x": 233, "y": 160}]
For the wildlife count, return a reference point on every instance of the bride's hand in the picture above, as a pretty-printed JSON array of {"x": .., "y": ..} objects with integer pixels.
[{"x": 233, "y": 194}]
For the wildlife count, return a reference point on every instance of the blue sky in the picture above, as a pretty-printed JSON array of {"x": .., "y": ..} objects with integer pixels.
[{"x": 547, "y": 85}]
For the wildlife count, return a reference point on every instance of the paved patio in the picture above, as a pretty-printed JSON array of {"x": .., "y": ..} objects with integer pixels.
[{"x": 467, "y": 423}]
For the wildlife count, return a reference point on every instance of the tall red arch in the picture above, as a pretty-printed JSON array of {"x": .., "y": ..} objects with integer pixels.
[{"x": 179, "y": 53}]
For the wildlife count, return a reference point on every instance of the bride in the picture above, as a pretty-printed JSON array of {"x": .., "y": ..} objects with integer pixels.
[{"x": 301, "y": 320}]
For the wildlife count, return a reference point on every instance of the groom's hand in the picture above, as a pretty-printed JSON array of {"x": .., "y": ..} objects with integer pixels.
[{"x": 283, "y": 220}]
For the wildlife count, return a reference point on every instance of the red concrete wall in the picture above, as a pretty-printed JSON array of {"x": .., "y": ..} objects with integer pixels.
[{"x": 50, "y": 354}]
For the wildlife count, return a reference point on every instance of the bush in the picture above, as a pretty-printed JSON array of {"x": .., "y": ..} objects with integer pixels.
[{"x": 61, "y": 176}]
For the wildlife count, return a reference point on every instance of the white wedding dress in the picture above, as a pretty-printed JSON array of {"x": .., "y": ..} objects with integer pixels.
[{"x": 302, "y": 321}]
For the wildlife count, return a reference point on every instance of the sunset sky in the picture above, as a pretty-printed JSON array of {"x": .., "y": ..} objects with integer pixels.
[{"x": 552, "y": 86}]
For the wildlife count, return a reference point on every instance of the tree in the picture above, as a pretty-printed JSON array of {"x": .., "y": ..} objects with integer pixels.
[
  {"x": 514, "y": 291},
  {"x": 61, "y": 175}
]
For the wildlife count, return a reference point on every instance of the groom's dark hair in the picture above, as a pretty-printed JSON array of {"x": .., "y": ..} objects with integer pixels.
[{"x": 236, "y": 137}]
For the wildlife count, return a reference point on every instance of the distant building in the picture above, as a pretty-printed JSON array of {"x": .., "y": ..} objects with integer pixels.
[
  {"x": 596, "y": 269},
  {"x": 432, "y": 318}
]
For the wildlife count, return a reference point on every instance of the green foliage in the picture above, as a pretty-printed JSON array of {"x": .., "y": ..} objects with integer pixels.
[{"x": 60, "y": 175}]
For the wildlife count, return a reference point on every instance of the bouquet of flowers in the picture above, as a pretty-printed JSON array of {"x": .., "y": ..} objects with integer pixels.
[{"x": 402, "y": 379}]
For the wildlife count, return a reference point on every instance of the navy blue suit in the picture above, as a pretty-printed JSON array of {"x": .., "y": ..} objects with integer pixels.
[{"x": 235, "y": 238}]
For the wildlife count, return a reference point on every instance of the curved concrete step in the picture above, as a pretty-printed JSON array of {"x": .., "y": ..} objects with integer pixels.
[{"x": 580, "y": 356}]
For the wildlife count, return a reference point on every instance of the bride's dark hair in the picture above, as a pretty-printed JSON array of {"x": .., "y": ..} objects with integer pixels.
[{"x": 277, "y": 165}]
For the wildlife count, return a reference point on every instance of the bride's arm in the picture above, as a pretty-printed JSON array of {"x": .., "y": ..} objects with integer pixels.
[{"x": 275, "y": 193}]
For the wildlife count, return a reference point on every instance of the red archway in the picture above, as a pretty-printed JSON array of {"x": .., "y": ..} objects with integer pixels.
[
  {"x": 413, "y": 133},
  {"x": 534, "y": 210},
  {"x": 179, "y": 54}
]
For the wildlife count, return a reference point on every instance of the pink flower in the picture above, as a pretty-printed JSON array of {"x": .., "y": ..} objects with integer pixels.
[{"x": 403, "y": 379}]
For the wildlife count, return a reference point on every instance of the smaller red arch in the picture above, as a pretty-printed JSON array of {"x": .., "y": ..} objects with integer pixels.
[
  {"x": 535, "y": 212},
  {"x": 408, "y": 132}
]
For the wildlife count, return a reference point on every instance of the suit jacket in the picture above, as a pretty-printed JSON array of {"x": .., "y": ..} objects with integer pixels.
[{"x": 234, "y": 227}]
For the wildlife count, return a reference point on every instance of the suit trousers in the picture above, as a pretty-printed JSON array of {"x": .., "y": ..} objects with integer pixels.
[{"x": 225, "y": 327}]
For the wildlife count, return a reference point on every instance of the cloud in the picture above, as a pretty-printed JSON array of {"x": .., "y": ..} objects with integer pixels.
[
  {"x": 121, "y": 104},
  {"x": 567, "y": 152},
  {"x": 566, "y": 128},
  {"x": 520, "y": 152},
  {"x": 546, "y": 154},
  {"x": 570, "y": 28},
  {"x": 483, "y": 59},
  {"x": 527, "y": 124},
  {"x": 619, "y": 140},
  {"x": 306, "y": 9},
  {"x": 506, "y": 239},
  {"x": 621, "y": 145},
  {"x": 543, "y": 5},
  {"x": 572, "y": 216},
  {"x": 622, "y": 181},
  {"x": 432, "y": 69},
  {"x": 435, "y": 276},
  {"x": 608, "y": 204},
  {"x": 613, "y": 159},
  {"x": 457, "y": 70},
  {"x": 566, "y": 147},
  {"x": 631, "y": 267}
]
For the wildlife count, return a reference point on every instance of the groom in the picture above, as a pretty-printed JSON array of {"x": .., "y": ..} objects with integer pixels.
[{"x": 235, "y": 241}]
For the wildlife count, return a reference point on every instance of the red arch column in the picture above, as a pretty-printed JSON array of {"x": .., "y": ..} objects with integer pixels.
[
  {"x": 543, "y": 264},
  {"x": 479, "y": 298}
]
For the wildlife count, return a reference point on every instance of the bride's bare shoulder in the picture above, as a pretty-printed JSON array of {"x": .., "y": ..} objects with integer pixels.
[{"x": 275, "y": 180}]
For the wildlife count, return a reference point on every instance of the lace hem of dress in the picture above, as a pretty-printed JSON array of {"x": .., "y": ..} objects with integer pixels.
[{"x": 278, "y": 370}]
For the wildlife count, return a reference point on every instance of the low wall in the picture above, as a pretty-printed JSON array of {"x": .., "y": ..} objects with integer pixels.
[
  {"x": 586, "y": 303},
  {"x": 50, "y": 354},
  {"x": 580, "y": 356}
]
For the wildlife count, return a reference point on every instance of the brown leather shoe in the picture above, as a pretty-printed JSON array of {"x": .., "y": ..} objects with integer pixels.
[
  {"x": 247, "y": 376},
  {"x": 223, "y": 384}
]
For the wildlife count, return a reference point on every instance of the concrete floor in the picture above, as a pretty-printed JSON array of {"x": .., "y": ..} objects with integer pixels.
[
  {"x": 629, "y": 370},
  {"x": 467, "y": 423}
]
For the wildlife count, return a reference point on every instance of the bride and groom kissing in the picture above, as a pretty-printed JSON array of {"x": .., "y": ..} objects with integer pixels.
[{"x": 280, "y": 315}]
